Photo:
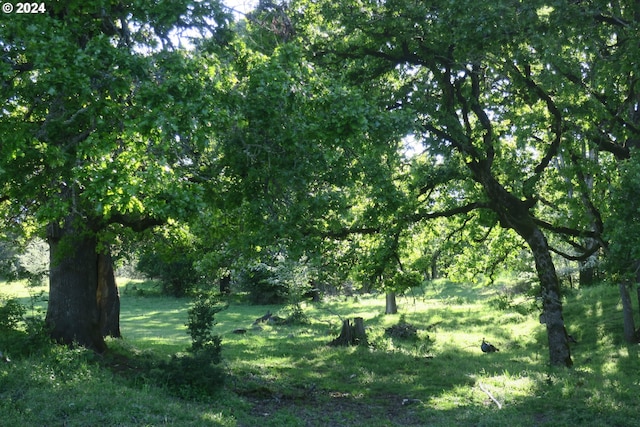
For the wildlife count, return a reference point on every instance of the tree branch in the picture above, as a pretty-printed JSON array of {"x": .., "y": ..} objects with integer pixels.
[
  {"x": 135, "y": 223},
  {"x": 449, "y": 212},
  {"x": 481, "y": 114},
  {"x": 583, "y": 257},
  {"x": 556, "y": 125},
  {"x": 565, "y": 230},
  {"x": 584, "y": 193},
  {"x": 345, "y": 232}
]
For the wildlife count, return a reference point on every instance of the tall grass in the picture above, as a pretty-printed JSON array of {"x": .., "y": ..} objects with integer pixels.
[{"x": 287, "y": 376}]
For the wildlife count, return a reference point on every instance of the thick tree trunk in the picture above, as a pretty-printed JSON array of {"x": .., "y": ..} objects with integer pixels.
[
  {"x": 586, "y": 275},
  {"x": 627, "y": 314},
  {"x": 108, "y": 297},
  {"x": 638, "y": 295},
  {"x": 391, "y": 306},
  {"x": 73, "y": 315}
]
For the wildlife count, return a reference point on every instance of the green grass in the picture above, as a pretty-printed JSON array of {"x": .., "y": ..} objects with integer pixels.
[{"x": 288, "y": 376}]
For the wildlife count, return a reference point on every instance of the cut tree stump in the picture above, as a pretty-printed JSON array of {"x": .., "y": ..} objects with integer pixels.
[{"x": 351, "y": 334}]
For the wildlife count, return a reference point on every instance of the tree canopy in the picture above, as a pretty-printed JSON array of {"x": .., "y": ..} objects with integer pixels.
[
  {"x": 286, "y": 134},
  {"x": 508, "y": 98},
  {"x": 103, "y": 121}
]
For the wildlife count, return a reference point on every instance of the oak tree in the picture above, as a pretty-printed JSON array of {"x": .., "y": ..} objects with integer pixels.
[
  {"x": 501, "y": 93},
  {"x": 103, "y": 122}
]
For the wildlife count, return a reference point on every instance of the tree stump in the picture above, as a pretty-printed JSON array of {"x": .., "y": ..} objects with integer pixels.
[
  {"x": 351, "y": 334},
  {"x": 359, "y": 334}
]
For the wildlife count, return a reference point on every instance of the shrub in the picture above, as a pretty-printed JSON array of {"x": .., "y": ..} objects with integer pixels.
[
  {"x": 193, "y": 375},
  {"x": 177, "y": 273},
  {"x": 20, "y": 335},
  {"x": 201, "y": 318},
  {"x": 11, "y": 314},
  {"x": 196, "y": 373},
  {"x": 297, "y": 316},
  {"x": 263, "y": 285}
]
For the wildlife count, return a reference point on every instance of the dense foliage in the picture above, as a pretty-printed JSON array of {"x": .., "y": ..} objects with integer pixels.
[{"x": 380, "y": 143}]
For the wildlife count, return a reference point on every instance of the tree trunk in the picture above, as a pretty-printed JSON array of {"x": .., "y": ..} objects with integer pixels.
[
  {"x": 108, "y": 297},
  {"x": 225, "y": 284},
  {"x": 638, "y": 295},
  {"x": 586, "y": 276},
  {"x": 559, "y": 351},
  {"x": 627, "y": 314},
  {"x": 514, "y": 214},
  {"x": 434, "y": 264},
  {"x": 314, "y": 292},
  {"x": 588, "y": 273},
  {"x": 73, "y": 315},
  {"x": 346, "y": 335},
  {"x": 391, "y": 306}
]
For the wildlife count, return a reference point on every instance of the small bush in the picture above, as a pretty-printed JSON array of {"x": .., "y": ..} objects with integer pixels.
[
  {"x": 501, "y": 302},
  {"x": 20, "y": 335},
  {"x": 196, "y": 373},
  {"x": 201, "y": 318},
  {"x": 263, "y": 285},
  {"x": 297, "y": 316},
  {"x": 11, "y": 314},
  {"x": 177, "y": 274}
]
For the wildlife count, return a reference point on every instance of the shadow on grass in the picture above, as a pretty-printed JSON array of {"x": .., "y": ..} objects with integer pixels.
[
  {"x": 290, "y": 376},
  {"x": 157, "y": 322}
]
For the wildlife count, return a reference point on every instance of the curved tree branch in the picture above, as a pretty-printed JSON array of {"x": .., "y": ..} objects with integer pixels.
[
  {"x": 449, "y": 212},
  {"x": 582, "y": 257},
  {"x": 565, "y": 230}
]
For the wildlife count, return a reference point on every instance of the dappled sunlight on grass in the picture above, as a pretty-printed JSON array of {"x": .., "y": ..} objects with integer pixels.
[
  {"x": 154, "y": 320},
  {"x": 288, "y": 374}
]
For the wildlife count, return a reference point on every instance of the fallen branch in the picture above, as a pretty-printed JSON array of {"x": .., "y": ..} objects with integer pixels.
[{"x": 490, "y": 395}]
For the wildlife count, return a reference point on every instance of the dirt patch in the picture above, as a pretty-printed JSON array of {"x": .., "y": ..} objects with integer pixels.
[{"x": 337, "y": 409}]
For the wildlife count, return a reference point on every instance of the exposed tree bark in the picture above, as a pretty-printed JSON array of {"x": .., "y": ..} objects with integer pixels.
[
  {"x": 391, "y": 305},
  {"x": 559, "y": 351},
  {"x": 108, "y": 297},
  {"x": 586, "y": 275},
  {"x": 627, "y": 313},
  {"x": 346, "y": 335},
  {"x": 73, "y": 315},
  {"x": 434, "y": 264}
]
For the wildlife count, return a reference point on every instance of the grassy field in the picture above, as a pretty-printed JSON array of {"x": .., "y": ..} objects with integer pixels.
[{"x": 288, "y": 376}]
